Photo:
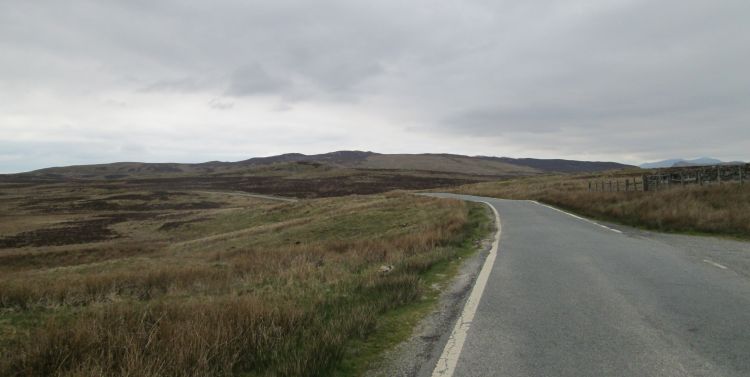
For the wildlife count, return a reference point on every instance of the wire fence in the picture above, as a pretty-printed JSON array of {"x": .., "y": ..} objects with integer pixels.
[{"x": 675, "y": 177}]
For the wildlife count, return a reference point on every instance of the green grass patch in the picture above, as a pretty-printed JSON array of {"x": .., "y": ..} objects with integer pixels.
[{"x": 397, "y": 325}]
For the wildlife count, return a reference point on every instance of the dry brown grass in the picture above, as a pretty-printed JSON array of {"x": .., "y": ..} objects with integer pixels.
[
  {"x": 262, "y": 292},
  {"x": 715, "y": 209}
]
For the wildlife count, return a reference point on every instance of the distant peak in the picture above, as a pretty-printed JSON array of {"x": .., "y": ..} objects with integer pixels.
[
  {"x": 349, "y": 153},
  {"x": 678, "y": 162}
]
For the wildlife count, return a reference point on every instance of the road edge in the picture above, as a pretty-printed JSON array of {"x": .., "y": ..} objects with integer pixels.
[
  {"x": 446, "y": 363},
  {"x": 418, "y": 355}
]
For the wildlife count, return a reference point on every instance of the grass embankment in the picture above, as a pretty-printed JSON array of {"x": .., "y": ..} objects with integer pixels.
[
  {"x": 287, "y": 289},
  {"x": 397, "y": 325},
  {"x": 715, "y": 209}
]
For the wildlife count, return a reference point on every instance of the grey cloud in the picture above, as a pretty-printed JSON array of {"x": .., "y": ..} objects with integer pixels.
[
  {"x": 252, "y": 79},
  {"x": 498, "y": 122},
  {"x": 176, "y": 46},
  {"x": 220, "y": 105},
  {"x": 656, "y": 76},
  {"x": 597, "y": 113},
  {"x": 185, "y": 84},
  {"x": 534, "y": 75}
]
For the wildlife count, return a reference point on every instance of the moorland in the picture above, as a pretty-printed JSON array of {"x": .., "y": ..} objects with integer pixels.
[
  {"x": 112, "y": 281},
  {"x": 182, "y": 269}
]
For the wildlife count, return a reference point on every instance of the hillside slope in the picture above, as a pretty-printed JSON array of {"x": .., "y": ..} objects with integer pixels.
[
  {"x": 444, "y": 163},
  {"x": 562, "y": 166},
  {"x": 440, "y": 163}
]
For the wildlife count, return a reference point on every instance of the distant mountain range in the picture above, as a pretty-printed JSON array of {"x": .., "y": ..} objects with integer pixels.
[
  {"x": 679, "y": 162},
  {"x": 435, "y": 163}
]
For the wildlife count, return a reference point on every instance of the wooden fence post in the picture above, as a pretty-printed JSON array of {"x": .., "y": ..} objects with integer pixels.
[
  {"x": 664, "y": 180},
  {"x": 742, "y": 181},
  {"x": 718, "y": 174},
  {"x": 618, "y": 185},
  {"x": 627, "y": 184}
]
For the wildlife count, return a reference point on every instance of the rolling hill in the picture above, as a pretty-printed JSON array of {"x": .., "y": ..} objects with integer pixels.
[
  {"x": 434, "y": 163},
  {"x": 679, "y": 162}
]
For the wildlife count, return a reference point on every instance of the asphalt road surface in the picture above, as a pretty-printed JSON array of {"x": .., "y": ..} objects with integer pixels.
[{"x": 569, "y": 297}]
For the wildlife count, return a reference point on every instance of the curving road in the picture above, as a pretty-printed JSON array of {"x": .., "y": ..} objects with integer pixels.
[{"x": 568, "y": 297}]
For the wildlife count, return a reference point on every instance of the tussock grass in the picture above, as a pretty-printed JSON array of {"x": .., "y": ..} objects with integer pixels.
[
  {"x": 715, "y": 209},
  {"x": 285, "y": 301}
]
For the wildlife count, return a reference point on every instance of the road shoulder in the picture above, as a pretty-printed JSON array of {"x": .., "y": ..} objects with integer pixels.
[{"x": 418, "y": 355}]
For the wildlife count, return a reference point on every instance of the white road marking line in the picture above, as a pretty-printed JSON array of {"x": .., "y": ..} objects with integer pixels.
[
  {"x": 723, "y": 267},
  {"x": 577, "y": 217},
  {"x": 446, "y": 365}
]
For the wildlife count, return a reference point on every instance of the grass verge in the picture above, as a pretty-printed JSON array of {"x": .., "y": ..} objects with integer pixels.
[
  {"x": 397, "y": 325},
  {"x": 722, "y": 210}
]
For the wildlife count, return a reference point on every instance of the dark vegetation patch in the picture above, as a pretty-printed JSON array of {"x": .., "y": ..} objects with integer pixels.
[
  {"x": 79, "y": 232},
  {"x": 34, "y": 202},
  {"x": 72, "y": 257},
  {"x": 155, "y": 201},
  {"x": 23, "y": 180},
  {"x": 303, "y": 179},
  {"x": 156, "y": 195},
  {"x": 105, "y": 205},
  {"x": 161, "y": 195},
  {"x": 360, "y": 184},
  {"x": 72, "y": 232}
]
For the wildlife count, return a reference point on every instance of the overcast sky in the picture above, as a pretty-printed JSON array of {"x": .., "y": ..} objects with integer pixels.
[{"x": 192, "y": 81}]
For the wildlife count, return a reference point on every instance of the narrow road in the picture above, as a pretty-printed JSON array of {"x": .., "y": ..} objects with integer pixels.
[
  {"x": 250, "y": 195},
  {"x": 568, "y": 297}
]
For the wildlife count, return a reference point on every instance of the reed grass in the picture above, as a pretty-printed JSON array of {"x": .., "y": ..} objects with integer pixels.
[
  {"x": 712, "y": 209},
  {"x": 287, "y": 301}
]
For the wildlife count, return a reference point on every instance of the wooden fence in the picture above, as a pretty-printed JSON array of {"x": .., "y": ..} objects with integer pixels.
[
  {"x": 675, "y": 177},
  {"x": 608, "y": 185}
]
